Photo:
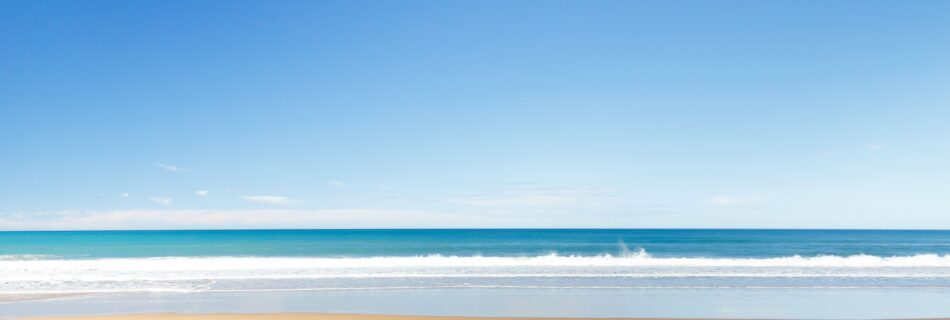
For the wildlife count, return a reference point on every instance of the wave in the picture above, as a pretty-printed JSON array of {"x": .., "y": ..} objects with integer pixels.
[
  {"x": 190, "y": 290},
  {"x": 638, "y": 264},
  {"x": 15, "y": 257},
  {"x": 639, "y": 258},
  {"x": 638, "y": 269}
]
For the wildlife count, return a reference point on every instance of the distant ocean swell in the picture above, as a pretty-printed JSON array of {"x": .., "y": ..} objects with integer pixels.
[{"x": 32, "y": 274}]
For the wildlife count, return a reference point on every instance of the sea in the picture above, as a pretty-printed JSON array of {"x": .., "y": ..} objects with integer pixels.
[{"x": 697, "y": 273}]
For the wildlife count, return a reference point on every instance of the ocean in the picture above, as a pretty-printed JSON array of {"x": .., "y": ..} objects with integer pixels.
[{"x": 577, "y": 263}]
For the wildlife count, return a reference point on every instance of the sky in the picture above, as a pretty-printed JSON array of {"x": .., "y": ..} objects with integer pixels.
[{"x": 474, "y": 114}]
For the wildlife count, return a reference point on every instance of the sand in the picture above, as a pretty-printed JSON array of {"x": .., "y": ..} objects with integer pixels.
[{"x": 289, "y": 316}]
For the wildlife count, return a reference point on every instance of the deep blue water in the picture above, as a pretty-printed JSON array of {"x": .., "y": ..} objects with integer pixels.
[{"x": 470, "y": 242}]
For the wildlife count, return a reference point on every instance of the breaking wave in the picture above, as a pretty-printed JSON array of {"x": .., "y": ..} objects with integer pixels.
[{"x": 635, "y": 269}]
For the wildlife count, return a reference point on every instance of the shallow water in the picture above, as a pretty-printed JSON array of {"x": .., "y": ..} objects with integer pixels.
[
  {"x": 630, "y": 273},
  {"x": 679, "y": 303}
]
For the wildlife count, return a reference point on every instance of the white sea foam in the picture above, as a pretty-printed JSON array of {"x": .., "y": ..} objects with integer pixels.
[
  {"x": 632, "y": 269},
  {"x": 15, "y": 257},
  {"x": 634, "y": 262},
  {"x": 637, "y": 259}
]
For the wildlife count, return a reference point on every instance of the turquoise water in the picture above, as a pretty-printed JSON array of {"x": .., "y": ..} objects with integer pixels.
[
  {"x": 630, "y": 273},
  {"x": 505, "y": 243}
]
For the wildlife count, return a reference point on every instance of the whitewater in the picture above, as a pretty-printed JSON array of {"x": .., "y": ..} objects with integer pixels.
[{"x": 43, "y": 274}]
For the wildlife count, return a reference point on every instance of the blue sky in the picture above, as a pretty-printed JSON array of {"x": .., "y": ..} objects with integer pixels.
[{"x": 322, "y": 114}]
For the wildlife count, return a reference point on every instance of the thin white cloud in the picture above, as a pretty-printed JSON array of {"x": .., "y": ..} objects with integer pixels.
[
  {"x": 384, "y": 191},
  {"x": 191, "y": 219},
  {"x": 746, "y": 201},
  {"x": 267, "y": 199},
  {"x": 240, "y": 219},
  {"x": 540, "y": 197},
  {"x": 171, "y": 167},
  {"x": 202, "y": 193},
  {"x": 124, "y": 194},
  {"x": 876, "y": 147},
  {"x": 723, "y": 201},
  {"x": 335, "y": 184},
  {"x": 165, "y": 201}
]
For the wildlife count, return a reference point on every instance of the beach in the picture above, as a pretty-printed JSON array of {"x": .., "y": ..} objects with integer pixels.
[
  {"x": 551, "y": 273},
  {"x": 720, "y": 303},
  {"x": 309, "y": 316},
  {"x": 286, "y": 316},
  {"x": 474, "y": 160}
]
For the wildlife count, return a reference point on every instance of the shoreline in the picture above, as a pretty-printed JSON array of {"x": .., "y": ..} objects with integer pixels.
[
  {"x": 310, "y": 316},
  {"x": 319, "y": 316},
  {"x": 495, "y": 304},
  {"x": 331, "y": 316}
]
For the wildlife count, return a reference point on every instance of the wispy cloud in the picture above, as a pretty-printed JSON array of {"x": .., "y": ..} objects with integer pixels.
[
  {"x": 165, "y": 201},
  {"x": 124, "y": 195},
  {"x": 240, "y": 219},
  {"x": 723, "y": 201},
  {"x": 745, "y": 201},
  {"x": 876, "y": 147},
  {"x": 335, "y": 184},
  {"x": 381, "y": 190},
  {"x": 202, "y": 193},
  {"x": 267, "y": 199},
  {"x": 170, "y": 167},
  {"x": 296, "y": 218},
  {"x": 540, "y": 197}
]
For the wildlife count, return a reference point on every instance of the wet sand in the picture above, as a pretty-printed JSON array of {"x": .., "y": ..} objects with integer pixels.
[{"x": 294, "y": 316}]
